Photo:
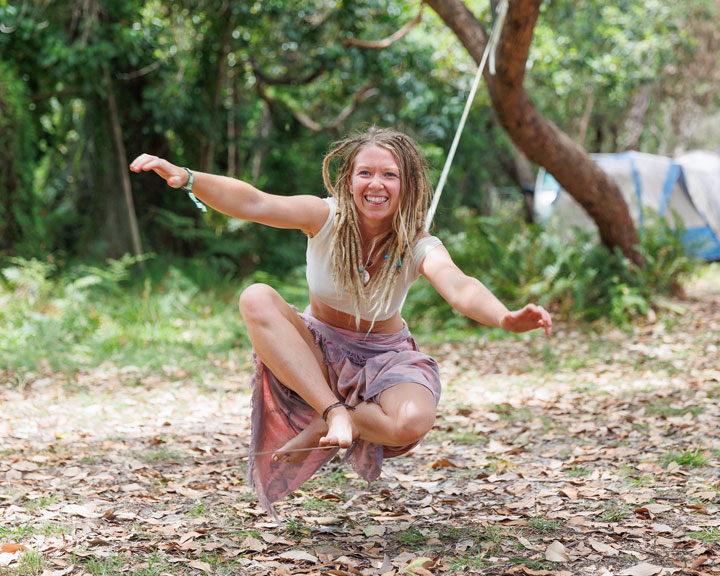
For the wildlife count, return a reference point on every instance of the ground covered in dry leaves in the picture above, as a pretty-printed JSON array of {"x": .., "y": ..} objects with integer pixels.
[{"x": 590, "y": 453}]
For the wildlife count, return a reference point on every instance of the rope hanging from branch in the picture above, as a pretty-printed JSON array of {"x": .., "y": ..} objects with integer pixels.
[{"x": 489, "y": 50}]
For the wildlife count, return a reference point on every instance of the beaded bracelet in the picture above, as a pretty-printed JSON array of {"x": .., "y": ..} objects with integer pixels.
[{"x": 188, "y": 188}]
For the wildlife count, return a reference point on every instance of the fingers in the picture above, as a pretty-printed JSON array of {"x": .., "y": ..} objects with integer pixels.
[
  {"x": 544, "y": 320},
  {"x": 532, "y": 317},
  {"x": 144, "y": 163}
]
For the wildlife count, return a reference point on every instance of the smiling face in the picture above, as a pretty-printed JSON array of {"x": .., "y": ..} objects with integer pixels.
[{"x": 375, "y": 186}]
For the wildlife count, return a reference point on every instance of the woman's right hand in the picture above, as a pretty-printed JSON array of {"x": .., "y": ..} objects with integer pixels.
[{"x": 175, "y": 176}]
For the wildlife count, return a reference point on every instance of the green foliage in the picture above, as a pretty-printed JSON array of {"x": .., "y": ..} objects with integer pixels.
[
  {"x": 573, "y": 275},
  {"x": 689, "y": 458},
  {"x": 85, "y": 315},
  {"x": 20, "y": 223}
]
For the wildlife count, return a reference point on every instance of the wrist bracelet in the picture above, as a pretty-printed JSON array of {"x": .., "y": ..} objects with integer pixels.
[{"x": 188, "y": 188}]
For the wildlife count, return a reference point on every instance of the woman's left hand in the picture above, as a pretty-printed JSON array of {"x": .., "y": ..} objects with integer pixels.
[{"x": 528, "y": 318}]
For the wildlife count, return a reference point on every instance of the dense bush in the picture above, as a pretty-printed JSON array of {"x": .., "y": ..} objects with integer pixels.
[
  {"x": 570, "y": 273},
  {"x": 20, "y": 224}
]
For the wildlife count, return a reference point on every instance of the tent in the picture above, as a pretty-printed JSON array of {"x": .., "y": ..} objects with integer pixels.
[{"x": 687, "y": 187}]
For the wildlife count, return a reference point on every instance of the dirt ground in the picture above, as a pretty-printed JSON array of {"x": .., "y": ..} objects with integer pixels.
[{"x": 589, "y": 453}]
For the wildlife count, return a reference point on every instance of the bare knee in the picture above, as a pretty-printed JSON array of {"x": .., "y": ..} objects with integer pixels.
[
  {"x": 257, "y": 302},
  {"x": 412, "y": 426}
]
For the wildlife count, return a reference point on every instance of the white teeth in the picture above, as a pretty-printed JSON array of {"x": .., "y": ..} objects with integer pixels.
[{"x": 376, "y": 199}]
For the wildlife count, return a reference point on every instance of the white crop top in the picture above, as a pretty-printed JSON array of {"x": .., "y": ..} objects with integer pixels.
[{"x": 320, "y": 277}]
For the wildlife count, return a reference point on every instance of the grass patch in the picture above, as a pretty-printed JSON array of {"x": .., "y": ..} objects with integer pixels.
[
  {"x": 101, "y": 566},
  {"x": 511, "y": 413},
  {"x": 667, "y": 409},
  {"x": 615, "y": 512},
  {"x": 709, "y": 536},
  {"x": 196, "y": 511},
  {"x": 312, "y": 503},
  {"x": 42, "y": 502},
  {"x": 689, "y": 459},
  {"x": 411, "y": 537},
  {"x": 542, "y": 524},
  {"x": 578, "y": 472},
  {"x": 473, "y": 561},
  {"x": 295, "y": 530},
  {"x": 152, "y": 565},
  {"x": 159, "y": 454},
  {"x": 30, "y": 563}
]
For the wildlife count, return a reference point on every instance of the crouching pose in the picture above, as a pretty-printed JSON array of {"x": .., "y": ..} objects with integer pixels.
[{"x": 346, "y": 373}]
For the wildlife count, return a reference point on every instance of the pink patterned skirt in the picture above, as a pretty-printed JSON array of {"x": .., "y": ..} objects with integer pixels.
[{"x": 360, "y": 367}]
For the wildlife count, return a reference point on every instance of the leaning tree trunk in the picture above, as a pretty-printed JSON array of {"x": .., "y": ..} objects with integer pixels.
[{"x": 540, "y": 140}]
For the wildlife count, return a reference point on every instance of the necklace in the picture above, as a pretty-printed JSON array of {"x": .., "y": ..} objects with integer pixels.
[
  {"x": 364, "y": 269},
  {"x": 369, "y": 264}
]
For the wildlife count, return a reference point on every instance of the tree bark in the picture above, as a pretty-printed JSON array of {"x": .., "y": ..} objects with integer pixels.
[
  {"x": 206, "y": 164},
  {"x": 540, "y": 140},
  {"x": 122, "y": 162}
]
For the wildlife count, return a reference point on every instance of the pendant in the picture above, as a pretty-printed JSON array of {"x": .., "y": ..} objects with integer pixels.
[{"x": 366, "y": 276}]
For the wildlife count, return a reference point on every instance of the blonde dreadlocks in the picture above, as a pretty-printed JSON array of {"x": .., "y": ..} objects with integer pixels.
[{"x": 408, "y": 222}]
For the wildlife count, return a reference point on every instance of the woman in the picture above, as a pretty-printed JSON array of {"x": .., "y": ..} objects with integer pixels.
[{"x": 346, "y": 373}]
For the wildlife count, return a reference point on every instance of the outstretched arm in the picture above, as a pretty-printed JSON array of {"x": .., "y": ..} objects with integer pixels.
[
  {"x": 470, "y": 297},
  {"x": 240, "y": 199}
]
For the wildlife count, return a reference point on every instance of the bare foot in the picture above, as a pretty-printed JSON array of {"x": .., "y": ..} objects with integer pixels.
[
  {"x": 307, "y": 438},
  {"x": 341, "y": 430}
]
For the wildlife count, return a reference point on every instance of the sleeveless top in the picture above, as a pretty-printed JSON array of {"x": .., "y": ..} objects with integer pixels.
[{"x": 320, "y": 279}]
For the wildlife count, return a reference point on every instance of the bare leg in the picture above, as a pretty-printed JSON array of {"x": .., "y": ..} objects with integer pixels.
[
  {"x": 406, "y": 413},
  {"x": 287, "y": 347}
]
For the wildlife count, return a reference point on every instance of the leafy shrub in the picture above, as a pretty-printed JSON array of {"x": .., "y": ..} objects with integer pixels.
[
  {"x": 20, "y": 223},
  {"x": 89, "y": 314},
  {"x": 574, "y": 275}
]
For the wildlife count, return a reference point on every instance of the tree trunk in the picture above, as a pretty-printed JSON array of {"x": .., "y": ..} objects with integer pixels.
[
  {"x": 540, "y": 140},
  {"x": 526, "y": 181},
  {"x": 220, "y": 78},
  {"x": 122, "y": 167}
]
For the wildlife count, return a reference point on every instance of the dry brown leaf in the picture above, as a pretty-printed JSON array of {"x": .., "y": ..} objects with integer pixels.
[
  {"x": 386, "y": 566},
  {"x": 556, "y": 553},
  {"x": 570, "y": 493},
  {"x": 251, "y": 543},
  {"x": 199, "y": 565},
  {"x": 420, "y": 566},
  {"x": 87, "y": 511},
  {"x": 25, "y": 466},
  {"x": 443, "y": 463},
  {"x": 374, "y": 530},
  {"x": 603, "y": 548},
  {"x": 12, "y": 548},
  {"x": 642, "y": 569},
  {"x": 299, "y": 555}
]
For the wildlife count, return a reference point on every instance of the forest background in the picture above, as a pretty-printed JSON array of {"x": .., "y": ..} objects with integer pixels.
[{"x": 258, "y": 90}]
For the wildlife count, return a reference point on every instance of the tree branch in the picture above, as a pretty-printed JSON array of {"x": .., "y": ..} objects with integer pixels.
[
  {"x": 141, "y": 72},
  {"x": 385, "y": 42},
  {"x": 539, "y": 139},
  {"x": 284, "y": 80},
  {"x": 367, "y": 91}
]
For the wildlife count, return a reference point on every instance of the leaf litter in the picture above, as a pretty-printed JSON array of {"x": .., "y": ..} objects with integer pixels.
[{"x": 592, "y": 453}]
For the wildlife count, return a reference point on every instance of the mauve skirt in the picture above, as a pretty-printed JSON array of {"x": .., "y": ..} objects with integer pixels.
[{"x": 360, "y": 366}]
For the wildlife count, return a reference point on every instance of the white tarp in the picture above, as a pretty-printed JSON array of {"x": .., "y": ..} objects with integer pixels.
[{"x": 688, "y": 186}]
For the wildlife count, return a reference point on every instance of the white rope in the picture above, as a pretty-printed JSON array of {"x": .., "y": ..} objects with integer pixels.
[{"x": 489, "y": 49}]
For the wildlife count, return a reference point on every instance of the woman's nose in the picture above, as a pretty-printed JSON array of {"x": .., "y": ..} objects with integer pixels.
[{"x": 376, "y": 182}]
